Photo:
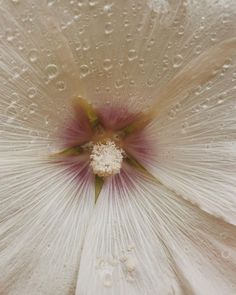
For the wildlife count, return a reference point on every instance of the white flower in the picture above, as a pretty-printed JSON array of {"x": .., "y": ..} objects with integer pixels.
[{"x": 157, "y": 82}]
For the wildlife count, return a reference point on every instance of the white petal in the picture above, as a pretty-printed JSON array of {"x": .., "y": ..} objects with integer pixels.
[
  {"x": 143, "y": 239},
  {"x": 202, "y": 246},
  {"x": 44, "y": 212},
  {"x": 123, "y": 252},
  {"x": 127, "y": 50},
  {"x": 38, "y": 76},
  {"x": 196, "y": 133}
]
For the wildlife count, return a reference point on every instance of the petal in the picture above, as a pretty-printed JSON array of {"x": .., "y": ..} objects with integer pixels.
[
  {"x": 128, "y": 51},
  {"x": 44, "y": 212},
  {"x": 108, "y": 44},
  {"x": 123, "y": 252},
  {"x": 201, "y": 246},
  {"x": 195, "y": 133},
  {"x": 38, "y": 74},
  {"x": 144, "y": 239}
]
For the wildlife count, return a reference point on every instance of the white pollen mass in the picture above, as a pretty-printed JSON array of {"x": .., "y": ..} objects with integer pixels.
[{"x": 106, "y": 159}]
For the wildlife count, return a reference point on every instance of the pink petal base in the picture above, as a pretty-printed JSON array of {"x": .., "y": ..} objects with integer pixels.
[{"x": 78, "y": 131}]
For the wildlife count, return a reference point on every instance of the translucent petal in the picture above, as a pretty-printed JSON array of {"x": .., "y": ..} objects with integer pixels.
[
  {"x": 196, "y": 131},
  {"x": 38, "y": 76},
  {"x": 44, "y": 212},
  {"x": 123, "y": 252},
  {"x": 127, "y": 51},
  {"x": 202, "y": 247},
  {"x": 144, "y": 239}
]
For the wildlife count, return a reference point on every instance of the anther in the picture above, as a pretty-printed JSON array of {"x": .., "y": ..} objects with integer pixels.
[{"x": 106, "y": 158}]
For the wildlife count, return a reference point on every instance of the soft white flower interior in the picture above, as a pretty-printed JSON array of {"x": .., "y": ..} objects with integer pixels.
[
  {"x": 106, "y": 158},
  {"x": 141, "y": 237}
]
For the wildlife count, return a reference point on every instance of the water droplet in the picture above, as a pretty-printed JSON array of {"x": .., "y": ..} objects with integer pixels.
[
  {"x": 32, "y": 108},
  {"x": 76, "y": 14},
  {"x": 234, "y": 77},
  {"x": 33, "y": 55},
  {"x": 198, "y": 49},
  {"x": 15, "y": 1},
  {"x": 171, "y": 114},
  {"x": 61, "y": 85},
  {"x": 50, "y": 2},
  {"x": 52, "y": 71},
  {"x": 107, "y": 64},
  {"x": 150, "y": 82},
  {"x": 227, "y": 63},
  {"x": 84, "y": 70},
  {"x": 92, "y": 3},
  {"x": 108, "y": 28},
  {"x": 107, "y": 279},
  {"x": 213, "y": 37},
  {"x": 181, "y": 30},
  {"x": 11, "y": 111},
  {"x": 119, "y": 83},
  {"x": 32, "y": 92},
  {"x": 132, "y": 54},
  {"x": 10, "y": 35},
  {"x": 225, "y": 254},
  {"x": 178, "y": 60},
  {"x": 220, "y": 100},
  {"x": 225, "y": 18},
  {"x": 86, "y": 45},
  {"x": 141, "y": 62},
  {"x": 107, "y": 8}
]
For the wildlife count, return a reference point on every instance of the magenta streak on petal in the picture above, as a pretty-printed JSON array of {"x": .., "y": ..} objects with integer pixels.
[
  {"x": 77, "y": 131},
  {"x": 115, "y": 118},
  {"x": 78, "y": 167},
  {"x": 140, "y": 146}
]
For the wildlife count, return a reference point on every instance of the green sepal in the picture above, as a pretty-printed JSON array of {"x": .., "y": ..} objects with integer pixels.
[
  {"x": 139, "y": 124},
  {"x": 99, "y": 181},
  {"x": 134, "y": 163},
  {"x": 88, "y": 110},
  {"x": 72, "y": 151}
]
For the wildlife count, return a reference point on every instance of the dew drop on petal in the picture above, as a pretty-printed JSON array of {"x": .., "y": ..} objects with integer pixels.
[
  {"x": 50, "y": 2},
  {"x": 150, "y": 82},
  {"x": 132, "y": 54},
  {"x": 119, "y": 83},
  {"x": 108, "y": 28},
  {"x": 107, "y": 279},
  {"x": 171, "y": 114},
  {"x": 33, "y": 108},
  {"x": 33, "y": 55},
  {"x": 213, "y": 37},
  {"x": 52, "y": 71},
  {"x": 181, "y": 30},
  {"x": 15, "y": 1},
  {"x": 92, "y": 3},
  {"x": 178, "y": 60},
  {"x": 107, "y": 64},
  {"x": 198, "y": 49},
  {"x": 11, "y": 111},
  {"x": 220, "y": 99},
  {"x": 225, "y": 254},
  {"x": 60, "y": 85},
  {"x": 84, "y": 70},
  {"x": 32, "y": 92}
]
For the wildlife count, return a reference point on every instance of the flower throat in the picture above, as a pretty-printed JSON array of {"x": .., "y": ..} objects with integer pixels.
[{"x": 108, "y": 138}]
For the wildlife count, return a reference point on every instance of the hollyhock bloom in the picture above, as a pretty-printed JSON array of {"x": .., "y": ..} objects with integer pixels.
[{"x": 118, "y": 147}]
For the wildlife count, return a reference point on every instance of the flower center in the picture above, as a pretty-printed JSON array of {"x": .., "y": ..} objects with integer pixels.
[
  {"x": 103, "y": 141},
  {"x": 106, "y": 158}
]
